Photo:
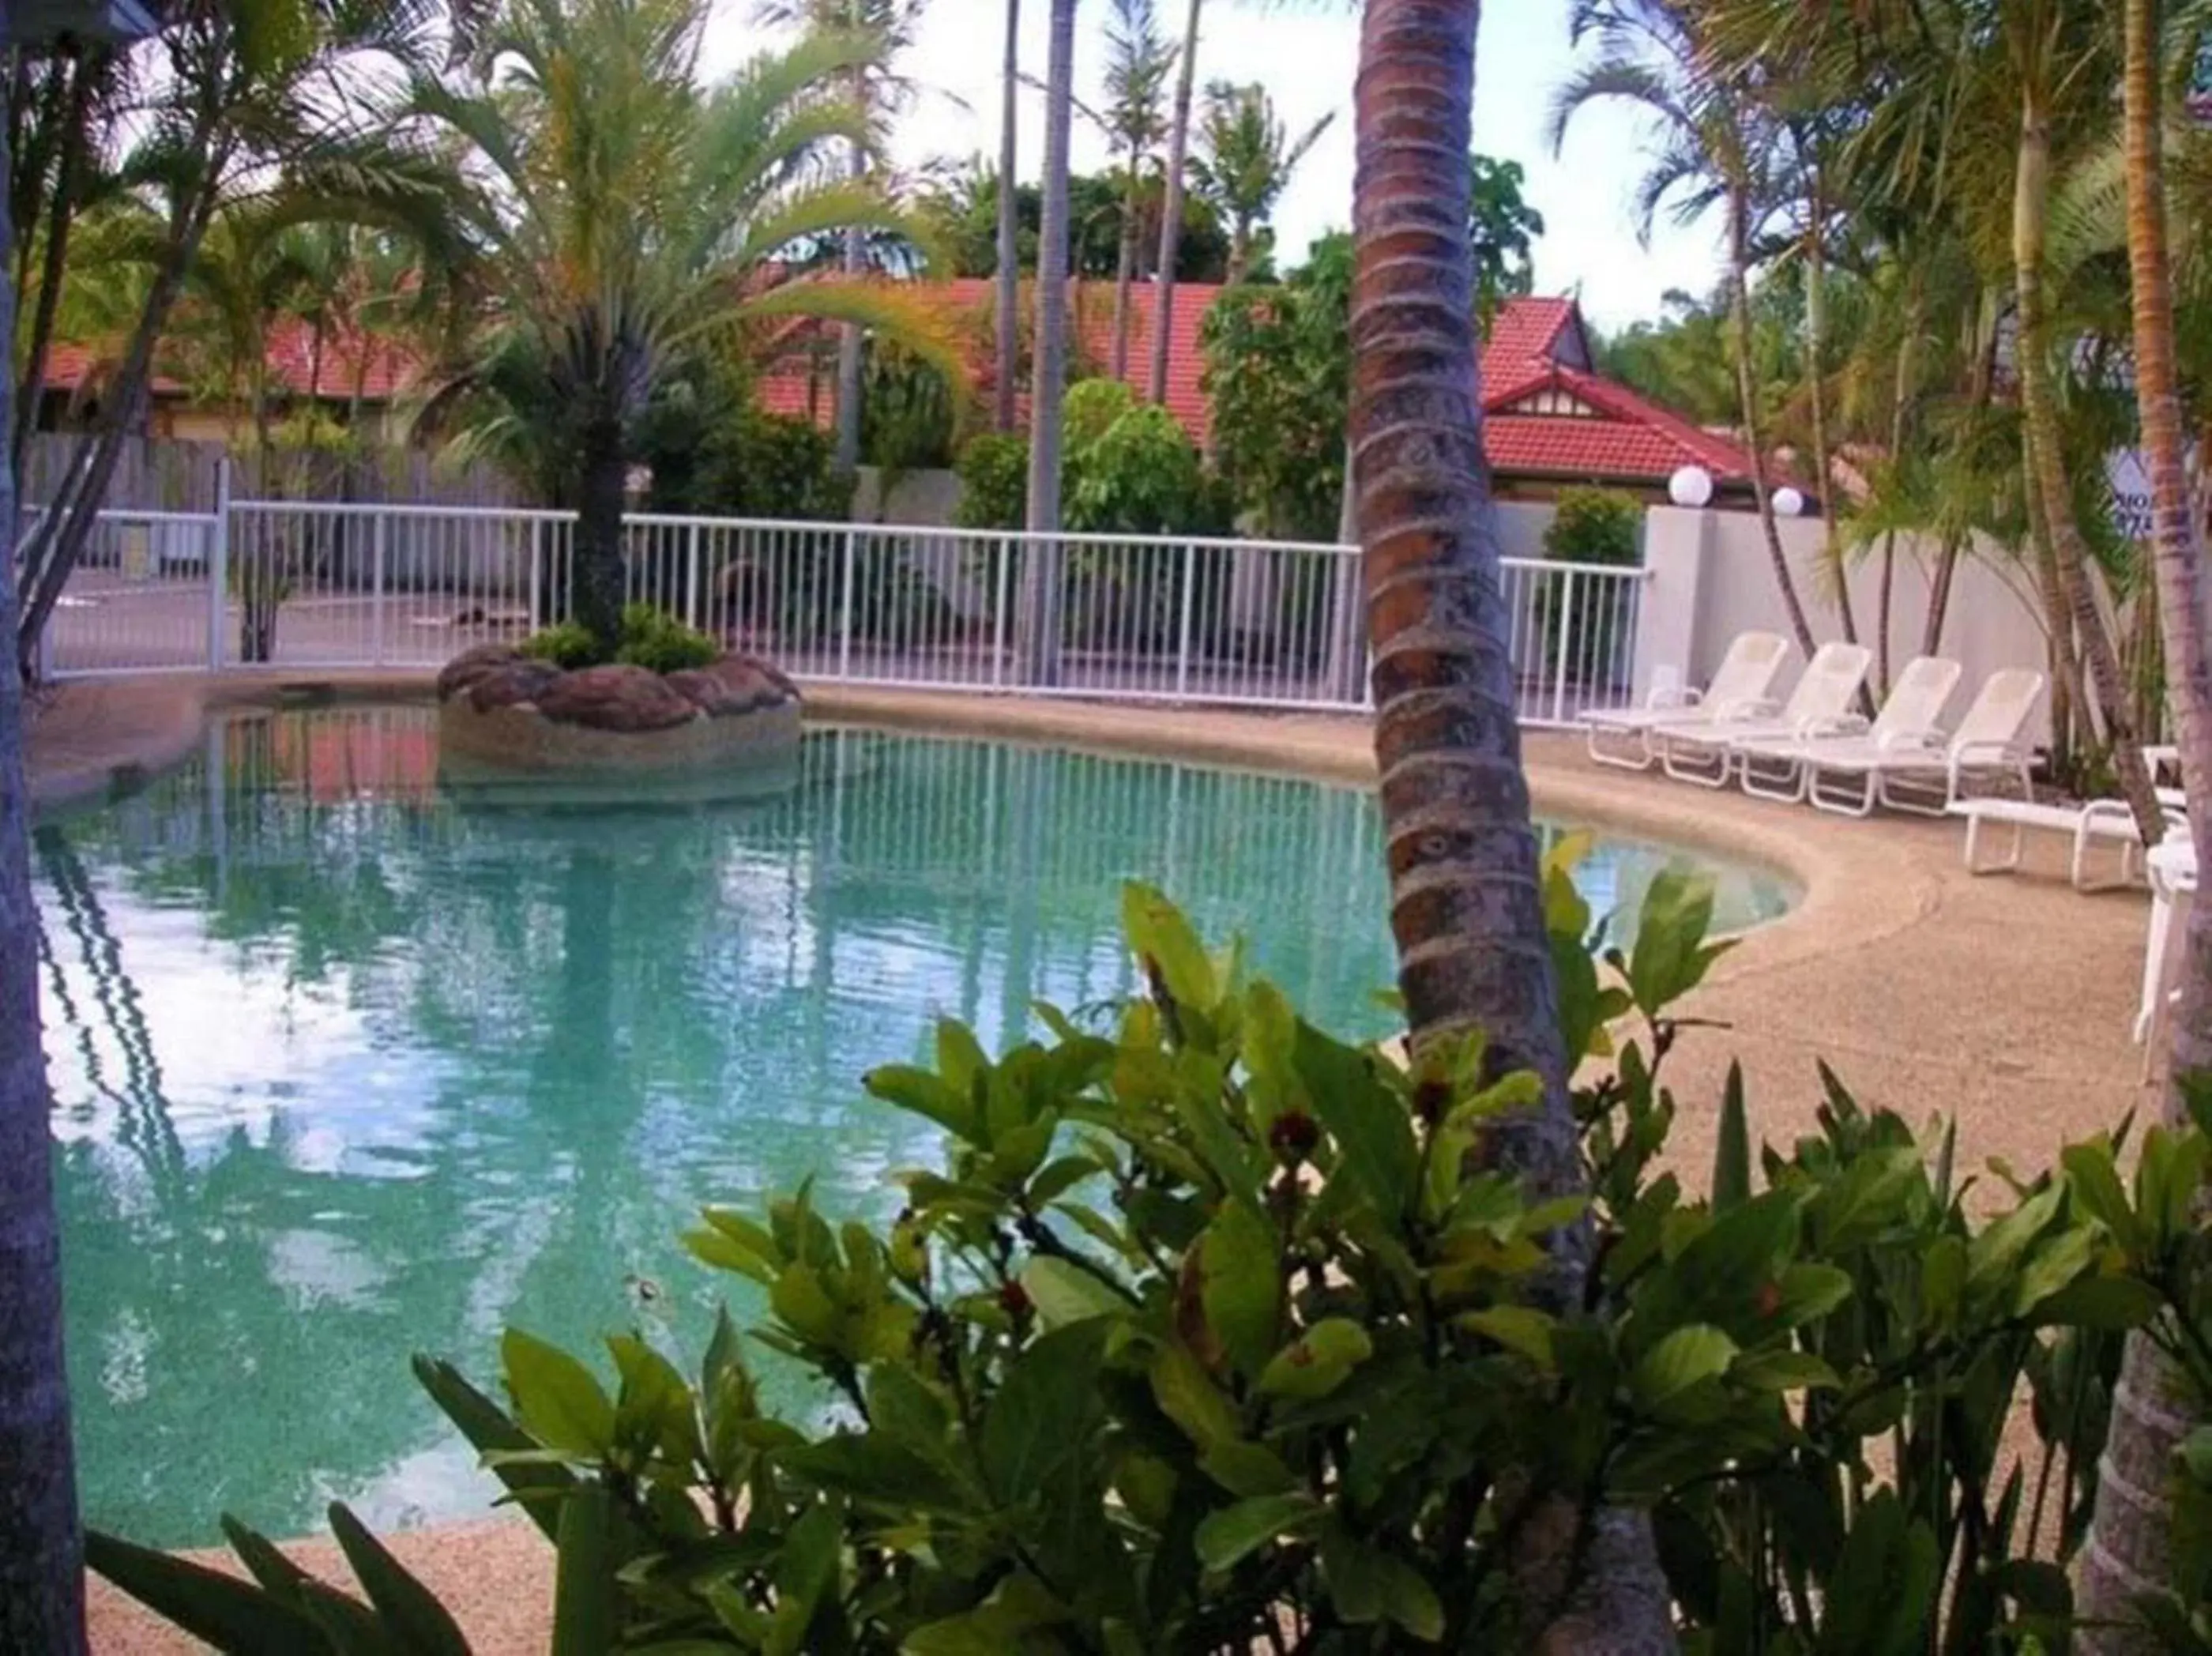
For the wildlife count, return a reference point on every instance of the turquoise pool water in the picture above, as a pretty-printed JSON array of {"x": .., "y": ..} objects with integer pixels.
[{"x": 346, "y": 1068}]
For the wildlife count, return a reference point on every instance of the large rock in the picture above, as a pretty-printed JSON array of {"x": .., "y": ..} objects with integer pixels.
[
  {"x": 510, "y": 685},
  {"x": 473, "y": 664},
  {"x": 617, "y": 697},
  {"x": 510, "y": 723}
]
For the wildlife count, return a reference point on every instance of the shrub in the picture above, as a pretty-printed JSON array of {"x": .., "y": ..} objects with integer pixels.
[
  {"x": 658, "y": 642},
  {"x": 1216, "y": 1331},
  {"x": 1139, "y": 475},
  {"x": 1594, "y": 526},
  {"x": 995, "y": 482},
  {"x": 566, "y": 644}
]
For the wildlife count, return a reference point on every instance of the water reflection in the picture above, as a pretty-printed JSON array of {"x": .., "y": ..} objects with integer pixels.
[{"x": 347, "y": 1067}]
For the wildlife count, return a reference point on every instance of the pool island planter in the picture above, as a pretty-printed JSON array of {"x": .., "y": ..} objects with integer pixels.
[{"x": 502, "y": 714}]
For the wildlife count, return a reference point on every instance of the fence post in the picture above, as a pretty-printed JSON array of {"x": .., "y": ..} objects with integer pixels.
[
  {"x": 537, "y": 571},
  {"x": 691, "y": 578},
  {"x": 218, "y": 563},
  {"x": 377, "y": 576},
  {"x": 1002, "y": 550},
  {"x": 845, "y": 612},
  {"x": 1561, "y": 641},
  {"x": 1182, "y": 626}
]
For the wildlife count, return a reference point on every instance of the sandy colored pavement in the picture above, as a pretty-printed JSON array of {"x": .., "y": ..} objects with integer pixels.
[{"x": 2005, "y": 1001}]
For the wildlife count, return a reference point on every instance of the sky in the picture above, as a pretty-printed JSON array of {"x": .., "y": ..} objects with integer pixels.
[{"x": 1305, "y": 54}]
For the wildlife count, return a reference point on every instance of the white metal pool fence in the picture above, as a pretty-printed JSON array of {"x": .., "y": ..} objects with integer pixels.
[{"x": 321, "y": 586}]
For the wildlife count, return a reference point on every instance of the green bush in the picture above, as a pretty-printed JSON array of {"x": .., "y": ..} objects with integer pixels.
[
  {"x": 995, "y": 482},
  {"x": 1216, "y": 1332},
  {"x": 566, "y": 644},
  {"x": 658, "y": 642},
  {"x": 1594, "y": 526}
]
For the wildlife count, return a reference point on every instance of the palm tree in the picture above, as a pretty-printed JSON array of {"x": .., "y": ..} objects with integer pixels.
[
  {"x": 637, "y": 215},
  {"x": 41, "y": 1552},
  {"x": 1137, "y": 65},
  {"x": 1164, "y": 272},
  {"x": 1246, "y": 157},
  {"x": 876, "y": 91},
  {"x": 1009, "y": 275},
  {"x": 1466, "y": 905},
  {"x": 1039, "y": 620},
  {"x": 2130, "y": 1540},
  {"x": 1711, "y": 151},
  {"x": 261, "y": 98}
]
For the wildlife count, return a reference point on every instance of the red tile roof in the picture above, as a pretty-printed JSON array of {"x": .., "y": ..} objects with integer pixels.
[{"x": 384, "y": 368}]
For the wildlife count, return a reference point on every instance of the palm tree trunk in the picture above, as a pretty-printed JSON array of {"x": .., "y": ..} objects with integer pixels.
[
  {"x": 1125, "y": 273},
  {"x": 60, "y": 214},
  {"x": 1816, "y": 317},
  {"x": 2040, "y": 406},
  {"x": 41, "y": 1554},
  {"x": 1163, "y": 274},
  {"x": 849, "y": 333},
  {"x": 1038, "y": 623},
  {"x": 1466, "y": 906},
  {"x": 1010, "y": 270},
  {"x": 1748, "y": 393},
  {"x": 1947, "y": 559},
  {"x": 595, "y": 581},
  {"x": 2129, "y": 1550}
]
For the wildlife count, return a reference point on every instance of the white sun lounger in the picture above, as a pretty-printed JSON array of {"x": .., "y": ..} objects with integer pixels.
[
  {"x": 1782, "y": 767},
  {"x": 1704, "y": 753},
  {"x": 2106, "y": 819},
  {"x": 1741, "y": 683},
  {"x": 1916, "y": 770}
]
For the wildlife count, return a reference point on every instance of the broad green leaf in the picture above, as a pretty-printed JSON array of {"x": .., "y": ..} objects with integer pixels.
[
  {"x": 1048, "y": 1411},
  {"x": 558, "y": 1400},
  {"x": 1318, "y": 1361},
  {"x": 1784, "y": 1370},
  {"x": 806, "y": 1575},
  {"x": 1517, "y": 1328},
  {"x": 2113, "y": 1304},
  {"x": 1805, "y": 1292},
  {"x": 2095, "y": 1183},
  {"x": 872, "y": 1467},
  {"x": 927, "y": 1095},
  {"x": 1065, "y": 1293},
  {"x": 1732, "y": 1147},
  {"x": 804, "y": 1304},
  {"x": 1018, "y": 1606},
  {"x": 1233, "y": 1532},
  {"x": 1187, "y": 1395},
  {"x": 1995, "y": 1252},
  {"x": 713, "y": 1247},
  {"x": 2056, "y": 1261},
  {"x": 960, "y": 1058},
  {"x": 1364, "y": 1118},
  {"x": 1672, "y": 956},
  {"x": 1685, "y": 1359},
  {"x": 585, "y": 1603},
  {"x": 1244, "y": 1468},
  {"x": 1368, "y": 1585},
  {"x": 491, "y": 1431},
  {"x": 421, "y": 1625},
  {"x": 233, "y": 1616},
  {"x": 1241, "y": 1285},
  {"x": 1160, "y": 937}
]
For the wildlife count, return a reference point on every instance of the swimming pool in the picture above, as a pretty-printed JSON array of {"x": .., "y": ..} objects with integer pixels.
[{"x": 346, "y": 1068}]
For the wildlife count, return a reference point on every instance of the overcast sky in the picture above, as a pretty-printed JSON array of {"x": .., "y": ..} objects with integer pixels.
[{"x": 1305, "y": 54}]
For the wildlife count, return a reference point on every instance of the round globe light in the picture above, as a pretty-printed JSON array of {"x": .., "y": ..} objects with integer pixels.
[
  {"x": 1789, "y": 502},
  {"x": 1692, "y": 486}
]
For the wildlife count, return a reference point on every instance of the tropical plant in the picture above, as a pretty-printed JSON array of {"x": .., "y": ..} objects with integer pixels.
[
  {"x": 1138, "y": 60},
  {"x": 1501, "y": 231},
  {"x": 1244, "y": 161},
  {"x": 638, "y": 216},
  {"x": 1594, "y": 525},
  {"x": 1277, "y": 379},
  {"x": 267, "y": 100},
  {"x": 1713, "y": 146},
  {"x": 994, "y": 472}
]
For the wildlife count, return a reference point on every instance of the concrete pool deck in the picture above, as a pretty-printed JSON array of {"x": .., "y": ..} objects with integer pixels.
[{"x": 2006, "y": 1001}]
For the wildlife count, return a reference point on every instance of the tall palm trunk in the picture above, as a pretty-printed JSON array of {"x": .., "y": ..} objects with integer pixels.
[
  {"x": 1010, "y": 266},
  {"x": 1816, "y": 321},
  {"x": 1946, "y": 557},
  {"x": 1163, "y": 273},
  {"x": 41, "y": 1562},
  {"x": 2038, "y": 405},
  {"x": 2130, "y": 1547},
  {"x": 60, "y": 214},
  {"x": 595, "y": 581},
  {"x": 1747, "y": 392},
  {"x": 1038, "y": 627},
  {"x": 849, "y": 333},
  {"x": 1466, "y": 907},
  {"x": 1125, "y": 273}
]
